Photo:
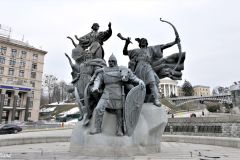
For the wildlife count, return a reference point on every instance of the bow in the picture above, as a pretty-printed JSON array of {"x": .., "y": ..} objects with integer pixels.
[{"x": 178, "y": 44}]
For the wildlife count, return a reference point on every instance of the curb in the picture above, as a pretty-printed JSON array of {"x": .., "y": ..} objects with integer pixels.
[
  {"x": 216, "y": 141},
  {"x": 33, "y": 140}
]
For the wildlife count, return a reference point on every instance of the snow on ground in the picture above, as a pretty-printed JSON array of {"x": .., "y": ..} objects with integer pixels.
[
  {"x": 50, "y": 109},
  {"x": 71, "y": 111},
  {"x": 54, "y": 105},
  {"x": 60, "y": 103}
]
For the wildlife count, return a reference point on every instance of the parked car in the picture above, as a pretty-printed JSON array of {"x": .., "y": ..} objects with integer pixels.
[{"x": 9, "y": 128}]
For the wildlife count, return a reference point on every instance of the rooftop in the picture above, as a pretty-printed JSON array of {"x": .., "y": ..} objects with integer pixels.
[
  {"x": 11, "y": 41},
  {"x": 201, "y": 86}
]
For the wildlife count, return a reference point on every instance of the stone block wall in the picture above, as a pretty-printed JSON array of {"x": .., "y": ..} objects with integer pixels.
[{"x": 228, "y": 126}]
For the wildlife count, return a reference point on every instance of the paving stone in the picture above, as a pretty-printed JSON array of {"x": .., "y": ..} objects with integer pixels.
[{"x": 170, "y": 151}]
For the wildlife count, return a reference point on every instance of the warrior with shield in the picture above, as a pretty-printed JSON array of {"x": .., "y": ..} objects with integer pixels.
[{"x": 112, "y": 78}]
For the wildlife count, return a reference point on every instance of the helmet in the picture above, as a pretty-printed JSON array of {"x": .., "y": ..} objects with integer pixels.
[{"x": 112, "y": 58}]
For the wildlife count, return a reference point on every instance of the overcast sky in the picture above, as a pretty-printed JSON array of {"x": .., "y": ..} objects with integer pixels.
[{"x": 209, "y": 31}]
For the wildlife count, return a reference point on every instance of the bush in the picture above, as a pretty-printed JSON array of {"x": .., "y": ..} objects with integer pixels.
[{"x": 214, "y": 108}]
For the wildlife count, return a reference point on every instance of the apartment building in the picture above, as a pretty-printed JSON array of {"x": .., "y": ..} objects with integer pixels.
[
  {"x": 200, "y": 90},
  {"x": 21, "y": 69}
]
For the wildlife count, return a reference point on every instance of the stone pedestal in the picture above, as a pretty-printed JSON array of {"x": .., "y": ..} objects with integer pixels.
[{"x": 145, "y": 139}]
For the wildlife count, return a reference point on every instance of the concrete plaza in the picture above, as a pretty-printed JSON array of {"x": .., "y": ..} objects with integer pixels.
[
  {"x": 60, "y": 150},
  {"x": 170, "y": 151}
]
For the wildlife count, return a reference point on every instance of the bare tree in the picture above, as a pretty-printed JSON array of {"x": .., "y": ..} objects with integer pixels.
[
  {"x": 63, "y": 90},
  {"x": 49, "y": 82},
  {"x": 44, "y": 98},
  {"x": 56, "y": 92}
]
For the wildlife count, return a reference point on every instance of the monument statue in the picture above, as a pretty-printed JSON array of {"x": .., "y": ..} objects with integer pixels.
[
  {"x": 148, "y": 64},
  {"x": 113, "y": 93},
  {"x": 92, "y": 42},
  {"x": 81, "y": 74},
  {"x": 88, "y": 56},
  {"x": 115, "y": 101}
]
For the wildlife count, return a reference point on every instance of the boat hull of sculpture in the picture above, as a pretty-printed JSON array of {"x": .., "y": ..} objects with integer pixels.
[{"x": 146, "y": 137}]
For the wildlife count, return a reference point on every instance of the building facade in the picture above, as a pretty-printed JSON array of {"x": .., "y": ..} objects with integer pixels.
[
  {"x": 168, "y": 87},
  {"x": 200, "y": 90},
  {"x": 180, "y": 91},
  {"x": 21, "y": 69}
]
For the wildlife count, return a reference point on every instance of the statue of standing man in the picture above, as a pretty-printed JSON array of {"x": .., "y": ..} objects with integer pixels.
[{"x": 112, "y": 78}]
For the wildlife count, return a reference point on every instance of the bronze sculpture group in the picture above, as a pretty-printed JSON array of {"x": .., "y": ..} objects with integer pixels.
[{"x": 118, "y": 89}]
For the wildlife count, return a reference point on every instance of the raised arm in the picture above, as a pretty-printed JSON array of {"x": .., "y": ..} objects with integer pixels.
[
  {"x": 74, "y": 67},
  {"x": 125, "y": 49},
  {"x": 69, "y": 59},
  {"x": 105, "y": 35}
]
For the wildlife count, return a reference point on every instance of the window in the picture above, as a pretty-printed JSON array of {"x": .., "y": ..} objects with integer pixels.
[
  {"x": 1, "y": 70},
  {"x": 3, "y": 50},
  {"x": 10, "y": 71},
  {"x": 2, "y": 59},
  {"x": 21, "y": 73},
  {"x": 22, "y": 64},
  {"x": 23, "y": 54},
  {"x": 32, "y": 94},
  {"x": 33, "y": 74},
  {"x": 29, "y": 114},
  {"x": 32, "y": 83},
  {"x": 14, "y": 53},
  {"x": 34, "y": 66},
  {"x": 12, "y": 62},
  {"x": 35, "y": 56}
]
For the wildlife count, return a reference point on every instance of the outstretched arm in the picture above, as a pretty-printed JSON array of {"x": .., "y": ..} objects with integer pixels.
[
  {"x": 73, "y": 66},
  {"x": 125, "y": 50},
  {"x": 164, "y": 46},
  {"x": 69, "y": 59}
]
